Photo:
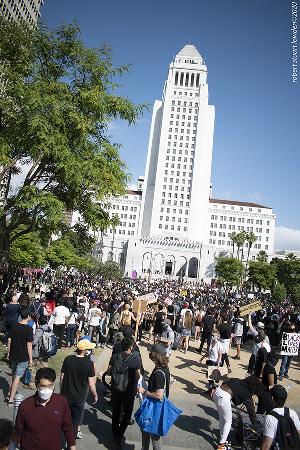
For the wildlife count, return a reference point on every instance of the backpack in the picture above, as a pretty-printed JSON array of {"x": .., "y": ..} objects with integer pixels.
[
  {"x": 126, "y": 319},
  {"x": 119, "y": 373},
  {"x": 177, "y": 340},
  {"x": 287, "y": 437},
  {"x": 49, "y": 344},
  {"x": 35, "y": 312},
  {"x": 188, "y": 321}
]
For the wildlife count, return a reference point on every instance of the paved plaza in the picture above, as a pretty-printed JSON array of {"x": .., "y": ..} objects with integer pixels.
[{"x": 197, "y": 428}]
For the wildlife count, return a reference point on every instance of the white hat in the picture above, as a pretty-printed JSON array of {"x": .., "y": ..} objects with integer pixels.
[{"x": 260, "y": 325}]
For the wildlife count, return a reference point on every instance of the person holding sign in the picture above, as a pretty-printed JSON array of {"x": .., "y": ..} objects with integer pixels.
[{"x": 289, "y": 348}]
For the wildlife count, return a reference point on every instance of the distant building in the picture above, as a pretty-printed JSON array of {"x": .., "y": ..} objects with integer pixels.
[{"x": 28, "y": 10}]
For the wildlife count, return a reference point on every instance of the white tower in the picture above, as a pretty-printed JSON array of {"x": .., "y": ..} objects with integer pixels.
[{"x": 177, "y": 179}]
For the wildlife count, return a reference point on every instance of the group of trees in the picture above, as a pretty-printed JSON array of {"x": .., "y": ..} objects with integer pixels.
[
  {"x": 57, "y": 100},
  {"x": 280, "y": 276}
]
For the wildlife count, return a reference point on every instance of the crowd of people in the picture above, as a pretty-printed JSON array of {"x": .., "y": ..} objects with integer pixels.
[{"x": 42, "y": 314}]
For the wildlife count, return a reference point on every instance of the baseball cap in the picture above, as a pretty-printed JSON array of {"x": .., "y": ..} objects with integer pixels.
[
  {"x": 85, "y": 344},
  {"x": 158, "y": 348},
  {"x": 260, "y": 325}
]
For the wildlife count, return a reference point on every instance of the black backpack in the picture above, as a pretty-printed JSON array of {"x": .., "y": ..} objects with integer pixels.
[
  {"x": 119, "y": 373},
  {"x": 287, "y": 437}
]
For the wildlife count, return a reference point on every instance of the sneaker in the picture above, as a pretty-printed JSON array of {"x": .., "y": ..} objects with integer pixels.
[
  {"x": 221, "y": 447},
  {"x": 286, "y": 376},
  {"x": 79, "y": 435}
]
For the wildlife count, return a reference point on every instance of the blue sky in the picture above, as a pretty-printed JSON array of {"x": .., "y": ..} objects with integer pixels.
[{"x": 247, "y": 47}]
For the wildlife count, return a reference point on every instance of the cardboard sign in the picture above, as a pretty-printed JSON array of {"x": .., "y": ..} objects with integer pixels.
[
  {"x": 250, "y": 308},
  {"x": 149, "y": 298},
  {"x": 290, "y": 344},
  {"x": 139, "y": 306}
]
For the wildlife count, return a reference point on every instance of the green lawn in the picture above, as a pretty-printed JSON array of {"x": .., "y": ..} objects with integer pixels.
[{"x": 55, "y": 362}]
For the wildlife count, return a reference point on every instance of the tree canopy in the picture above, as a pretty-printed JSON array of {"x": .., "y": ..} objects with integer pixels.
[
  {"x": 229, "y": 271},
  {"x": 58, "y": 98}
]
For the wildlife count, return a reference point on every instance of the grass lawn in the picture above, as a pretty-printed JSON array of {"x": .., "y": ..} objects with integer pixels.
[{"x": 57, "y": 360}]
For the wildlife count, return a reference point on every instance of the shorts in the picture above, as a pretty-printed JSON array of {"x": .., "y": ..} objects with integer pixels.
[
  {"x": 18, "y": 368},
  {"x": 185, "y": 332},
  {"x": 237, "y": 340}
]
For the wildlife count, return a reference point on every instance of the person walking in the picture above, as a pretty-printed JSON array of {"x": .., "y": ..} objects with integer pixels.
[
  {"x": 158, "y": 386},
  {"x": 19, "y": 352},
  {"x": 60, "y": 316},
  {"x": 76, "y": 374},
  {"x": 186, "y": 331},
  {"x": 207, "y": 330},
  {"x": 43, "y": 417},
  {"x": 124, "y": 369},
  {"x": 11, "y": 315}
]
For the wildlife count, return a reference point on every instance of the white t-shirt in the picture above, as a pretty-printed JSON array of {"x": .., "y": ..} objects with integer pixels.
[
  {"x": 94, "y": 317},
  {"x": 183, "y": 311},
  {"x": 60, "y": 314},
  {"x": 214, "y": 351},
  {"x": 270, "y": 426},
  {"x": 73, "y": 318}
]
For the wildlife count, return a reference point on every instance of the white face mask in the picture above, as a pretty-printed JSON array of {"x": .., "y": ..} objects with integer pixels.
[{"x": 45, "y": 393}]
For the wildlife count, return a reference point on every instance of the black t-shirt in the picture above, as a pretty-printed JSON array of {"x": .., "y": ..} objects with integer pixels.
[
  {"x": 268, "y": 370},
  {"x": 159, "y": 316},
  {"x": 157, "y": 380},
  {"x": 133, "y": 363},
  {"x": 261, "y": 357},
  {"x": 208, "y": 324},
  {"x": 225, "y": 330},
  {"x": 20, "y": 334},
  {"x": 77, "y": 371},
  {"x": 12, "y": 312},
  {"x": 240, "y": 391}
]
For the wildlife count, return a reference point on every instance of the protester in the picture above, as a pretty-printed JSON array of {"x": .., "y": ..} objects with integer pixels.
[
  {"x": 11, "y": 315},
  {"x": 158, "y": 386},
  {"x": 238, "y": 331},
  {"x": 43, "y": 417},
  {"x": 6, "y": 432},
  {"x": 273, "y": 421},
  {"x": 60, "y": 316},
  {"x": 76, "y": 374},
  {"x": 286, "y": 360},
  {"x": 125, "y": 371},
  {"x": 19, "y": 352},
  {"x": 186, "y": 330},
  {"x": 207, "y": 330}
]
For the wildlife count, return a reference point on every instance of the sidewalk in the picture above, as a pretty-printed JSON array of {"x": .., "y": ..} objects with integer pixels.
[{"x": 197, "y": 428}]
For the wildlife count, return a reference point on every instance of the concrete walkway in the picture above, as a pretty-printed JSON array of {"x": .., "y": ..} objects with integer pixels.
[{"x": 197, "y": 428}]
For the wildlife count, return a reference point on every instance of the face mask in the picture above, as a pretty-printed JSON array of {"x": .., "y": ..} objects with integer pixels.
[{"x": 45, "y": 393}]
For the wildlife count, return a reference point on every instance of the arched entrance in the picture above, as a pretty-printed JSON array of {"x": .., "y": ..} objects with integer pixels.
[
  {"x": 193, "y": 268},
  {"x": 170, "y": 265}
]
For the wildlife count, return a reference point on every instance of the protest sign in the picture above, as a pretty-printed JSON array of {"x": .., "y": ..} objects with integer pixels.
[
  {"x": 149, "y": 298},
  {"x": 250, "y": 308},
  {"x": 290, "y": 344},
  {"x": 183, "y": 293},
  {"x": 139, "y": 306}
]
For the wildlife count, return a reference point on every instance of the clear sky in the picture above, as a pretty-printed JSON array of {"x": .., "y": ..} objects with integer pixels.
[{"x": 248, "y": 52}]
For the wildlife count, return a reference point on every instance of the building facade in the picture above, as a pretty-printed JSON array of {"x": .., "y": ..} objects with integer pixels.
[{"x": 28, "y": 10}]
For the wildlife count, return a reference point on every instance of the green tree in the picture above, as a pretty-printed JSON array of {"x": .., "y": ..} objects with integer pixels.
[
  {"x": 58, "y": 97},
  {"x": 240, "y": 240},
  {"x": 110, "y": 270},
  {"x": 278, "y": 292},
  {"x": 261, "y": 275},
  {"x": 262, "y": 256},
  {"x": 295, "y": 294},
  {"x": 229, "y": 271},
  {"x": 27, "y": 251},
  {"x": 250, "y": 238},
  {"x": 233, "y": 238},
  {"x": 288, "y": 274}
]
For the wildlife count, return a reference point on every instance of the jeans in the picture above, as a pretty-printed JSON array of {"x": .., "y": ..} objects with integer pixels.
[
  {"x": 59, "y": 331},
  {"x": 285, "y": 365},
  {"x": 205, "y": 337},
  {"x": 93, "y": 330},
  {"x": 71, "y": 331},
  {"x": 146, "y": 441},
  {"x": 122, "y": 406},
  {"x": 222, "y": 399},
  {"x": 26, "y": 378}
]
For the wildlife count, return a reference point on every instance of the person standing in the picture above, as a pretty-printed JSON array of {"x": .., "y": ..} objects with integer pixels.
[
  {"x": 225, "y": 339},
  {"x": 286, "y": 359},
  {"x": 60, "y": 316},
  {"x": 11, "y": 315},
  {"x": 19, "y": 352},
  {"x": 123, "y": 391},
  {"x": 76, "y": 374},
  {"x": 238, "y": 331},
  {"x": 43, "y": 417},
  {"x": 207, "y": 330},
  {"x": 158, "y": 386}
]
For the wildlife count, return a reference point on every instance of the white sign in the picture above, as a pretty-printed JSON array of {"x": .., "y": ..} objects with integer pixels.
[
  {"x": 290, "y": 344},
  {"x": 150, "y": 298}
]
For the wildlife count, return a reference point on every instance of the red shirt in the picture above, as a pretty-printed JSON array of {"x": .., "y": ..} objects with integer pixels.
[{"x": 39, "y": 427}]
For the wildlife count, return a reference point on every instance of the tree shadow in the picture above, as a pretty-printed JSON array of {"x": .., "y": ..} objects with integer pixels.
[
  {"x": 4, "y": 386},
  {"x": 198, "y": 426}
]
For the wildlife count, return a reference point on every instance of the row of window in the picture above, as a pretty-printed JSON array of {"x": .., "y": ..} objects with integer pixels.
[
  {"x": 241, "y": 208},
  {"x": 229, "y": 244},
  {"x": 175, "y": 211},
  {"x": 187, "y": 79},
  {"x": 223, "y": 234},
  {"x": 172, "y": 227},
  {"x": 175, "y": 137},
  {"x": 239, "y": 228},
  {"x": 125, "y": 208},
  {"x": 183, "y": 110},
  {"x": 173, "y": 219},
  {"x": 239, "y": 219},
  {"x": 131, "y": 216},
  {"x": 174, "y": 203},
  {"x": 182, "y": 117}
]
